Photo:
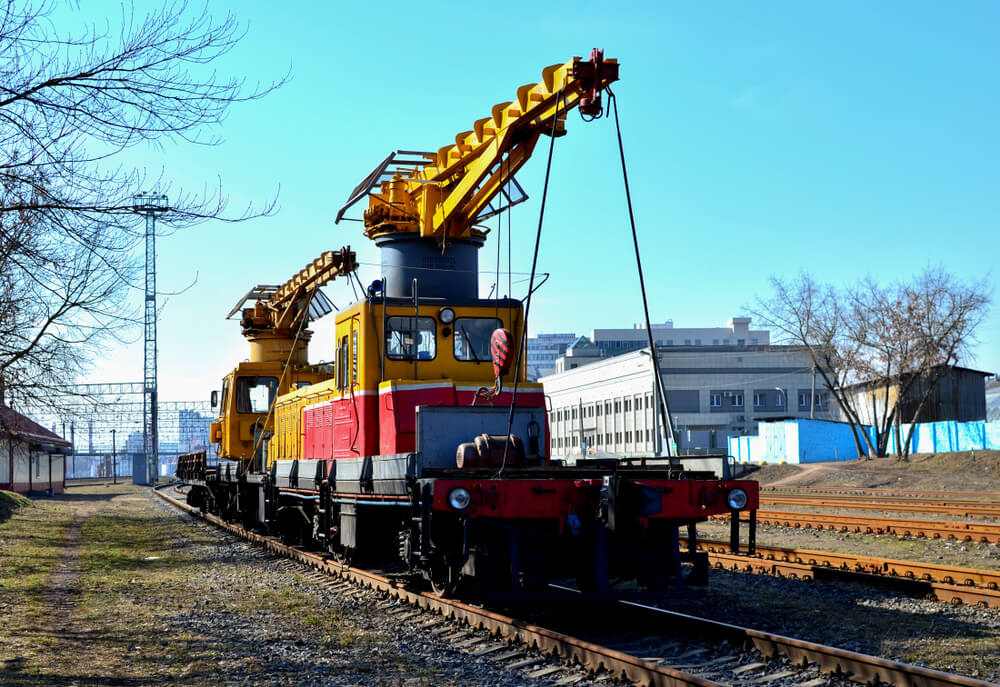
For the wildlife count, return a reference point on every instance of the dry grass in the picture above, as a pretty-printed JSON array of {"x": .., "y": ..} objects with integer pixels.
[{"x": 30, "y": 544}]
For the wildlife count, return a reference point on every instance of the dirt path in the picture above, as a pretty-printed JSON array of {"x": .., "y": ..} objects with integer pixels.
[
  {"x": 68, "y": 635},
  {"x": 802, "y": 474}
]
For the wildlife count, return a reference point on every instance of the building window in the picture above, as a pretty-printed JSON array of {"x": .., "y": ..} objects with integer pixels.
[
  {"x": 670, "y": 342},
  {"x": 725, "y": 342},
  {"x": 598, "y": 410},
  {"x": 738, "y": 400},
  {"x": 779, "y": 402},
  {"x": 741, "y": 342},
  {"x": 628, "y": 437},
  {"x": 697, "y": 342},
  {"x": 759, "y": 399},
  {"x": 716, "y": 400},
  {"x": 715, "y": 342},
  {"x": 687, "y": 342},
  {"x": 803, "y": 399},
  {"x": 753, "y": 341},
  {"x": 628, "y": 404},
  {"x": 573, "y": 413}
]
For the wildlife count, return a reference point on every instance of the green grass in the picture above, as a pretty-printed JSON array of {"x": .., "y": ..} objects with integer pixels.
[{"x": 11, "y": 503}]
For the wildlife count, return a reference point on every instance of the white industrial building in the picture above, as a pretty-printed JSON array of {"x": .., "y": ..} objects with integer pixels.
[
  {"x": 606, "y": 407},
  {"x": 32, "y": 458}
]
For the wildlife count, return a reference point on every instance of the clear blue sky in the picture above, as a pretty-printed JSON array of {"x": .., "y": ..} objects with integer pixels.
[{"x": 845, "y": 139}]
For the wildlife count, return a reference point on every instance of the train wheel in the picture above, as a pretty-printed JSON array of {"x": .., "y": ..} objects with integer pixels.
[{"x": 444, "y": 579}]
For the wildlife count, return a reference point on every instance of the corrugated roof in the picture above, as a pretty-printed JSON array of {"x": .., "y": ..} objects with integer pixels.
[{"x": 13, "y": 424}]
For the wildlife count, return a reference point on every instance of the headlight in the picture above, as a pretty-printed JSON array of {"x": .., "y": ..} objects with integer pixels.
[
  {"x": 459, "y": 498},
  {"x": 446, "y": 315},
  {"x": 737, "y": 498}
]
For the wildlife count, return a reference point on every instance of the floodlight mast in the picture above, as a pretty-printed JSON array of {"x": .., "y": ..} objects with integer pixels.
[{"x": 150, "y": 205}]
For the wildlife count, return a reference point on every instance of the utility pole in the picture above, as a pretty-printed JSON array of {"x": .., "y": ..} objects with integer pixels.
[{"x": 149, "y": 205}]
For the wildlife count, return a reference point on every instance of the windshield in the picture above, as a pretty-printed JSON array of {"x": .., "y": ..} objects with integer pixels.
[
  {"x": 472, "y": 337},
  {"x": 255, "y": 394},
  {"x": 408, "y": 338}
]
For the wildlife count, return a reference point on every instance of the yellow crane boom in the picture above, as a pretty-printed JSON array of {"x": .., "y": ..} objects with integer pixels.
[{"x": 440, "y": 195}]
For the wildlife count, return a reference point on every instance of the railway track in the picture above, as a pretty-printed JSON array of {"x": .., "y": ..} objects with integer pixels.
[
  {"x": 930, "y": 529},
  {"x": 974, "y": 496},
  {"x": 945, "y": 583},
  {"x": 964, "y": 509},
  {"x": 707, "y": 653}
]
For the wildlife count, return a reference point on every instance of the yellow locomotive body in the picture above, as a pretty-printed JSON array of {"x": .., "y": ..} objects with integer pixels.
[{"x": 391, "y": 357}]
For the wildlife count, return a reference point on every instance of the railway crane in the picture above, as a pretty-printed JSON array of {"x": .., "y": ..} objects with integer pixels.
[{"x": 410, "y": 447}]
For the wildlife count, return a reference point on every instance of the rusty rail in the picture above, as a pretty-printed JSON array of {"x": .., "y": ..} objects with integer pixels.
[
  {"x": 930, "y": 529},
  {"x": 595, "y": 657},
  {"x": 888, "y": 492},
  {"x": 944, "y": 583},
  {"x": 965, "y": 509}
]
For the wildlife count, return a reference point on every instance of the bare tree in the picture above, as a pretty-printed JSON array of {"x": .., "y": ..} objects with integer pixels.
[
  {"x": 875, "y": 345},
  {"x": 921, "y": 329},
  {"x": 69, "y": 104},
  {"x": 805, "y": 313}
]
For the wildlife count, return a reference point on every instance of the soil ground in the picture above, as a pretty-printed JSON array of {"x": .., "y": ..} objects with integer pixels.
[{"x": 965, "y": 471}]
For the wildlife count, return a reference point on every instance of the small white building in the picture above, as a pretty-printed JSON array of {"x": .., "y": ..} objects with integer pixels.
[
  {"x": 607, "y": 407},
  {"x": 32, "y": 458}
]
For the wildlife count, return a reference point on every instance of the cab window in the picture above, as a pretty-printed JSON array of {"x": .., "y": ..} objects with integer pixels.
[
  {"x": 472, "y": 337},
  {"x": 410, "y": 338},
  {"x": 255, "y": 394}
]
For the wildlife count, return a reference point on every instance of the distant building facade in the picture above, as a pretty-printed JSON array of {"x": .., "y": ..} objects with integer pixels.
[
  {"x": 607, "y": 407},
  {"x": 737, "y": 333},
  {"x": 543, "y": 351},
  {"x": 581, "y": 352}
]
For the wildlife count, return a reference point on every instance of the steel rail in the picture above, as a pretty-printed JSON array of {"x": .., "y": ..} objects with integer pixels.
[
  {"x": 901, "y": 493},
  {"x": 911, "y": 570},
  {"x": 912, "y": 578},
  {"x": 550, "y": 642},
  {"x": 930, "y": 529},
  {"x": 592, "y": 656},
  {"x": 981, "y": 510},
  {"x": 860, "y": 667}
]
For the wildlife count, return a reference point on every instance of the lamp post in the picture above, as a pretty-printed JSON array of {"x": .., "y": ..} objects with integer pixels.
[
  {"x": 114, "y": 457},
  {"x": 784, "y": 397}
]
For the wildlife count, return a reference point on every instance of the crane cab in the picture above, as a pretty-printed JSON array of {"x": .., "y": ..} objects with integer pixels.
[{"x": 248, "y": 392}]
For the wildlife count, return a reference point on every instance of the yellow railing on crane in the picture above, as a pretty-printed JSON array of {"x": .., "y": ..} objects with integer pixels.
[{"x": 442, "y": 197}]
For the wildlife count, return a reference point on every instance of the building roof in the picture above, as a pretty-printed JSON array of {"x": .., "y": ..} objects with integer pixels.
[
  {"x": 17, "y": 426},
  {"x": 880, "y": 383}
]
